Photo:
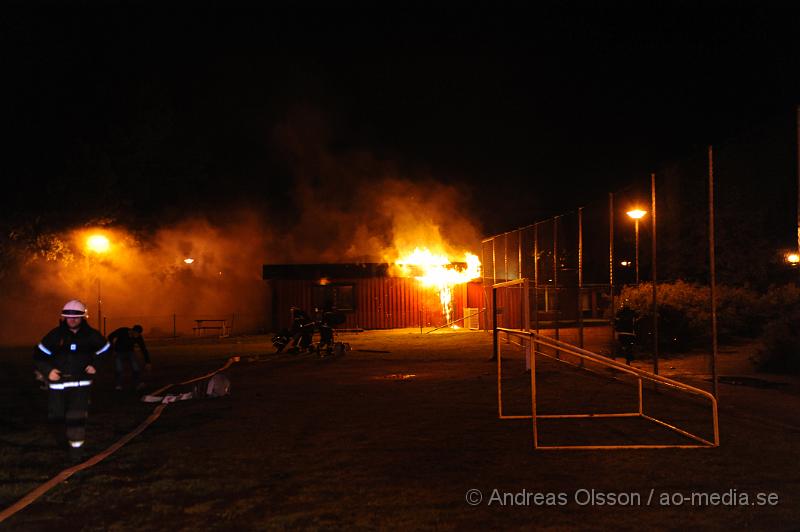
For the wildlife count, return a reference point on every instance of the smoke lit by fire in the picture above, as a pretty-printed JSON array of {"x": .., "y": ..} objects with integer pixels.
[
  {"x": 358, "y": 207},
  {"x": 145, "y": 278},
  {"x": 349, "y": 205},
  {"x": 339, "y": 206}
]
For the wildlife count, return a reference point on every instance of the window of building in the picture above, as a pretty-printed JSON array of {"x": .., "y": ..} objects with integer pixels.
[{"x": 338, "y": 296}]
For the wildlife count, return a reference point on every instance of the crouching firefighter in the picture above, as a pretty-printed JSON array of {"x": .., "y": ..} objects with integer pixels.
[
  {"x": 67, "y": 357},
  {"x": 123, "y": 341}
]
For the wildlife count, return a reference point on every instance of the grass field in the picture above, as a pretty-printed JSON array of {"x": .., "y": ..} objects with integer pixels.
[{"x": 395, "y": 440}]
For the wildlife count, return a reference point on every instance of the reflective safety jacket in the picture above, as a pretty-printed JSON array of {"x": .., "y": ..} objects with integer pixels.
[{"x": 70, "y": 352}]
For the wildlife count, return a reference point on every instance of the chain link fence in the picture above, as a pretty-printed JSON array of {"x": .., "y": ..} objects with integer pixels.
[{"x": 720, "y": 224}]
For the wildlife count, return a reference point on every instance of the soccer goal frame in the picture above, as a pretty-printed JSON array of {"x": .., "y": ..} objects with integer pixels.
[{"x": 532, "y": 342}]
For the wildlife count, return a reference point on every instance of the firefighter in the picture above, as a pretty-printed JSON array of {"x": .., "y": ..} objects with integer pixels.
[
  {"x": 301, "y": 332},
  {"x": 67, "y": 357},
  {"x": 123, "y": 341},
  {"x": 625, "y": 325}
]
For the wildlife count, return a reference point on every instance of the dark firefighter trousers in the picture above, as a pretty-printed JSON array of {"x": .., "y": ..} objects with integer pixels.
[
  {"x": 120, "y": 360},
  {"x": 69, "y": 407}
]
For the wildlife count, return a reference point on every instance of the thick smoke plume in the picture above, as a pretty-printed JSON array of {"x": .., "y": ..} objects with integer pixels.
[
  {"x": 353, "y": 207},
  {"x": 144, "y": 279}
]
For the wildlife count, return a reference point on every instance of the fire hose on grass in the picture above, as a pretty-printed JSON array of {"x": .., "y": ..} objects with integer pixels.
[{"x": 154, "y": 397}]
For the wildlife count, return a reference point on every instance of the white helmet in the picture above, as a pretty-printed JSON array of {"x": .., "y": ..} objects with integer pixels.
[{"x": 74, "y": 309}]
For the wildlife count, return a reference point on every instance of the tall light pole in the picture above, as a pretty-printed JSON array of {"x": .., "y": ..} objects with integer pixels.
[
  {"x": 636, "y": 214},
  {"x": 98, "y": 244}
]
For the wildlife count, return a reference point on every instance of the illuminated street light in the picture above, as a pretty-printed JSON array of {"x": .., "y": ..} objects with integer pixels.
[
  {"x": 793, "y": 259},
  {"x": 624, "y": 263},
  {"x": 98, "y": 244},
  {"x": 636, "y": 214},
  {"x": 188, "y": 260}
]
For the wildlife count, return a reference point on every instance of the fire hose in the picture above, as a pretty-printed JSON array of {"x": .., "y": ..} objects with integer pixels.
[{"x": 66, "y": 473}]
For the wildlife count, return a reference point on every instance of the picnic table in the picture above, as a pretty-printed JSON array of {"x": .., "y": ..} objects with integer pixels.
[{"x": 206, "y": 324}]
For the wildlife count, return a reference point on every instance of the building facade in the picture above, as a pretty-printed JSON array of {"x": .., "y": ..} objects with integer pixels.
[{"x": 367, "y": 294}]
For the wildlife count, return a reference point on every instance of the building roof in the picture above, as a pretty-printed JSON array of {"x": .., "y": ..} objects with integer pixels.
[{"x": 327, "y": 271}]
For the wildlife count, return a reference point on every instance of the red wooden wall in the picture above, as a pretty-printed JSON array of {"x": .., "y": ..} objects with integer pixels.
[{"x": 380, "y": 302}]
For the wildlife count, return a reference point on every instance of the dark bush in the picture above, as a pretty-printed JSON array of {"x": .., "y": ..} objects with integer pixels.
[
  {"x": 684, "y": 309},
  {"x": 777, "y": 302},
  {"x": 682, "y": 318},
  {"x": 781, "y": 345},
  {"x": 674, "y": 330},
  {"x": 739, "y": 312}
]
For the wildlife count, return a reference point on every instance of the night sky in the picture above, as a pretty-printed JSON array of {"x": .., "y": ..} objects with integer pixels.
[{"x": 138, "y": 114}]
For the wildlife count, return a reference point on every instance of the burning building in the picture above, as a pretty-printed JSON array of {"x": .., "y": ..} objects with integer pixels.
[{"x": 421, "y": 289}]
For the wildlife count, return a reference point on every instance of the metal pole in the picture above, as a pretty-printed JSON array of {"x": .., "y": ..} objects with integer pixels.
[
  {"x": 533, "y": 396},
  {"x": 536, "y": 276},
  {"x": 556, "y": 309},
  {"x": 526, "y": 309},
  {"x": 636, "y": 225},
  {"x": 713, "y": 272},
  {"x": 580, "y": 277},
  {"x": 495, "y": 353},
  {"x": 494, "y": 263},
  {"x": 655, "y": 277},
  {"x": 494, "y": 267},
  {"x": 506, "y": 299},
  {"x": 798, "y": 181},
  {"x": 495, "y": 345},
  {"x": 611, "y": 258},
  {"x": 505, "y": 257},
  {"x": 483, "y": 278}
]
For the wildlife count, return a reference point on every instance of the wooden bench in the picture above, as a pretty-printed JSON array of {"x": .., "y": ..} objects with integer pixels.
[{"x": 211, "y": 325}]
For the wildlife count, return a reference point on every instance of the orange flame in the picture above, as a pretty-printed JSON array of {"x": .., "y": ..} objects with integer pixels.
[{"x": 438, "y": 272}]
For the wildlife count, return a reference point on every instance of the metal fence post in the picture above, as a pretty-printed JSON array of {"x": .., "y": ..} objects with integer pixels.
[
  {"x": 580, "y": 277},
  {"x": 611, "y": 264},
  {"x": 655, "y": 277},
  {"x": 713, "y": 271}
]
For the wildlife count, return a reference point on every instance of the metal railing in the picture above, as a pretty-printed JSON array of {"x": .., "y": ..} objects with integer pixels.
[{"x": 532, "y": 341}]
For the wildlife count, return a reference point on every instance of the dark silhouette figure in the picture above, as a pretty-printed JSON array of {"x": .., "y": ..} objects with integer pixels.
[{"x": 625, "y": 324}]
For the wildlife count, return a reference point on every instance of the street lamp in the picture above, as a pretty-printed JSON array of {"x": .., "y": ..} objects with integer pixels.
[
  {"x": 636, "y": 214},
  {"x": 98, "y": 244}
]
